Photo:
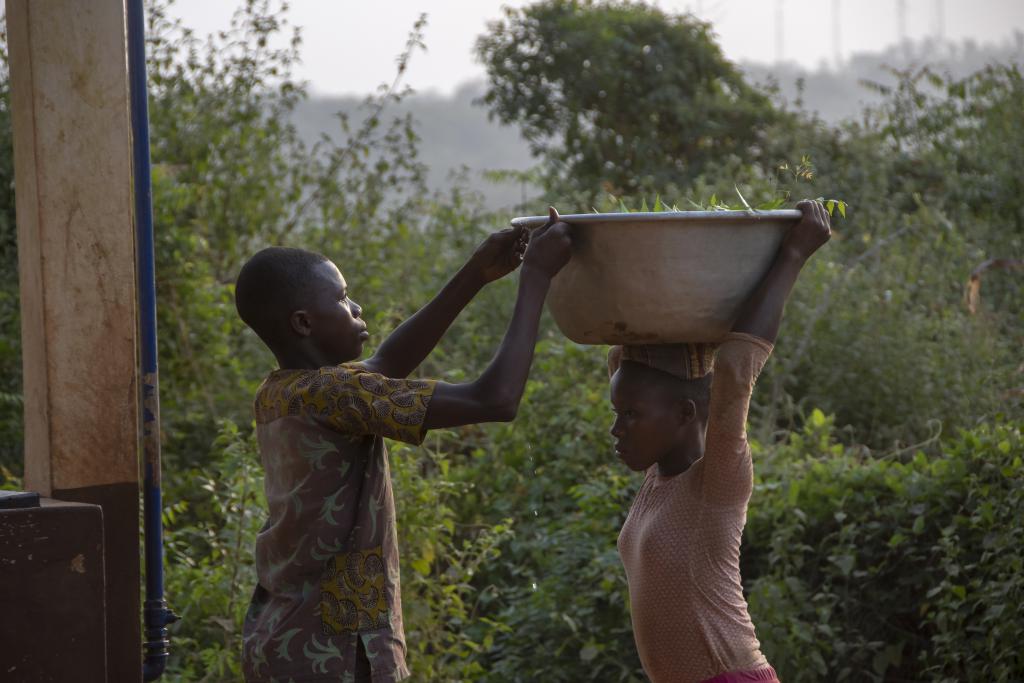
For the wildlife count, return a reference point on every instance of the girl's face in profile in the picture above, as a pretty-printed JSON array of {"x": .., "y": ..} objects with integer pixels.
[{"x": 649, "y": 422}]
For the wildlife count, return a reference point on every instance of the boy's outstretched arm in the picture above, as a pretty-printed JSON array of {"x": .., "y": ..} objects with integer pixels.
[
  {"x": 414, "y": 339},
  {"x": 495, "y": 396},
  {"x": 762, "y": 313}
]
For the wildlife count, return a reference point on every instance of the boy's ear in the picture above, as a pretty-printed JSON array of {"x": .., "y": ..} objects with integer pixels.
[{"x": 300, "y": 323}]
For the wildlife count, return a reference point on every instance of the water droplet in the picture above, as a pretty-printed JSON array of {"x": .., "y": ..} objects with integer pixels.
[
  {"x": 647, "y": 49},
  {"x": 534, "y": 585},
  {"x": 586, "y": 63}
]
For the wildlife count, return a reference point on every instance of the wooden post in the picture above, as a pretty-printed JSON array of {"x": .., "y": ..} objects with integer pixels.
[{"x": 76, "y": 259}]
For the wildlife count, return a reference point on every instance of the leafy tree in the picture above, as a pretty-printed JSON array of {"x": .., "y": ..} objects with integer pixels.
[
  {"x": 619, "y": 96},
  {"x": 231, "y": 175},
  {"x": 11, "y": 396}
]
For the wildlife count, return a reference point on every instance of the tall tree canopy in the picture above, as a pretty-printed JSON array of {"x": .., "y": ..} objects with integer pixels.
[{"x": 619, "y": 96}]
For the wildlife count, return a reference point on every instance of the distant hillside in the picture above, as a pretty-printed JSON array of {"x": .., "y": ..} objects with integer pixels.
[
  {"x": 453, "y": 131},
  {"x": 456, "y": 133},
  {"x": 837, "y": 94}
]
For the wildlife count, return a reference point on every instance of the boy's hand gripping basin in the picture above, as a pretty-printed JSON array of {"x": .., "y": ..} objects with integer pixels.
[{"x": 661, "y": 278}]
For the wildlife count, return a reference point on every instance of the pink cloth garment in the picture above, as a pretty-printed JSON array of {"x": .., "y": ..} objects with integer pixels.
[
  {"x": 680, "y": 543},
  {"x": 763, "y": 675}
]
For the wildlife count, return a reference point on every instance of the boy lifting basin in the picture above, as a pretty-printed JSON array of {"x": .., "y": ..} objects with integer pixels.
[{"x": 327, "y": 606}]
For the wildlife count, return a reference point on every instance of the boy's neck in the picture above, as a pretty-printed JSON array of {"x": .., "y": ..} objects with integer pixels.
[
  {"x": 301, "y": 359},
  {"x": 290, "y": 360}
]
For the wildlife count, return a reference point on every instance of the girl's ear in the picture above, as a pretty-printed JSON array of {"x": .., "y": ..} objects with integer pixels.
[
  {"x": 301, "y": 323},
  {"x": 687, "y": 411}
]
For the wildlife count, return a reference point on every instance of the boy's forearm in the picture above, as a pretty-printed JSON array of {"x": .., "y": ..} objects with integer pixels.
[
  {"x": 505, "y": 377},
  {"x": 496, "y": 394},
  {"x": 414, "y": 339},
  {"x": 761, "y": 314}
]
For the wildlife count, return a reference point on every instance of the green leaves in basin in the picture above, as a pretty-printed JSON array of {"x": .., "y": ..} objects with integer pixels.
[
  {"x": 799, "y": 172},
  {"x": 618, "y": 205}
]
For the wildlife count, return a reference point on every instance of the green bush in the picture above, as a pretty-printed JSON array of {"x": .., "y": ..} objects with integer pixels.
[
  {"x": 862, "y": 566},
  {"x": 210, "y": 538}
]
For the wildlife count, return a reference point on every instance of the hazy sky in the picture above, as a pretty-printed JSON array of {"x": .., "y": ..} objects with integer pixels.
[{"x": 350, "y": 45}]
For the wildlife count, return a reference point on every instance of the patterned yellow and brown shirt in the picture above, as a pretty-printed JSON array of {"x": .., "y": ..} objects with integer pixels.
[{"x": 327, "y": 558}]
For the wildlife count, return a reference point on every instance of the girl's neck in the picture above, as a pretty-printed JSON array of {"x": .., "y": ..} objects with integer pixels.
[{"x": 689, "y": 450}]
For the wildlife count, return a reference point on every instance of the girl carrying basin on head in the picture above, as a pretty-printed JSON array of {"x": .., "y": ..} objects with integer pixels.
[{"x": 680, "y": 417}]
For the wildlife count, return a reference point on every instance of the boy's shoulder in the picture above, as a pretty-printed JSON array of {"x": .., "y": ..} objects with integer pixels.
[
  {"x": 292, "y": 392},
  {"x": 348, "y": 398}
]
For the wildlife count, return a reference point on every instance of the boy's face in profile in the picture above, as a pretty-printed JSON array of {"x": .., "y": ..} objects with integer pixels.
[
  {"x": 331, "y": 321},
  {"x": 648, "y": 422}
]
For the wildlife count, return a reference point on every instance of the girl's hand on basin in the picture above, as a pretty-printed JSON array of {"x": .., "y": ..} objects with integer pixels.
[{"x": 812, "y": 231}]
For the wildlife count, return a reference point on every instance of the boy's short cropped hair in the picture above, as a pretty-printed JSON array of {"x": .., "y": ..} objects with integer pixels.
[{"x": 271, "y": 285}]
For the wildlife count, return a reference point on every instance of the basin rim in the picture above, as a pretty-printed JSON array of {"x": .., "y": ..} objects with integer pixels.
[{"x": 531, "y": 222}]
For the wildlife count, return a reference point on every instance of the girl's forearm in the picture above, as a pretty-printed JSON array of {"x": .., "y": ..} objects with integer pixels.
[{"x": 761, "y": 314}]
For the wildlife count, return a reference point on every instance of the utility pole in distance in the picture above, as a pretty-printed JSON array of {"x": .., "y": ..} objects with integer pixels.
[
  {"x": 780, "y": 31},
  {"x": 901, "y": 25},
  {"x": 837, "y": 36}
]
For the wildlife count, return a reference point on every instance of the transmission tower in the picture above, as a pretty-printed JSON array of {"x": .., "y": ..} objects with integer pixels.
[
  {"x": 837, "y": 35},
  {"x": 940, "y": 20},
  {"x": 901, "y": 25},
  {"x": 780, "y": 36},
  {"x": 901, "y": 19}
]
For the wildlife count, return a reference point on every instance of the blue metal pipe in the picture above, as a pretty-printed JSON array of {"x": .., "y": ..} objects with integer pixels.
[{"x": 156, "y": 615}]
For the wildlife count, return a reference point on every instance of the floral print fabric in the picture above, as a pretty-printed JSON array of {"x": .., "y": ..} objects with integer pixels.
[
  {"x": 327, "y": 557},
  {"x": 352, "y": 592}
]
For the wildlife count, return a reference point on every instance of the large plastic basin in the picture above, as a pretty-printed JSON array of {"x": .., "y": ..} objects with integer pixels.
[{"x": 660, "y": 278}]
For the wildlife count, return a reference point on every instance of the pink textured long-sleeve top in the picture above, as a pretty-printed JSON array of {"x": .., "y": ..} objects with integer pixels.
[{"x": 680, "y": 543}]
